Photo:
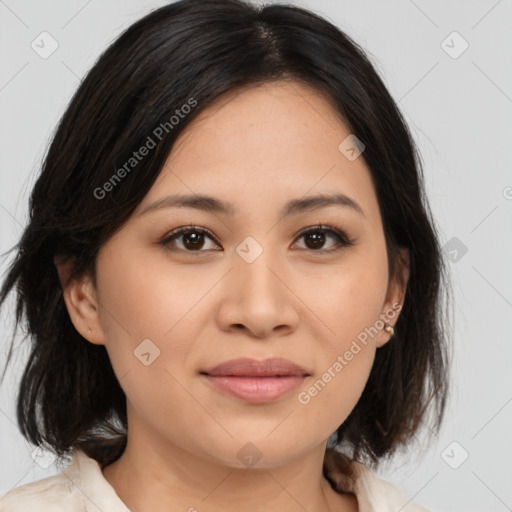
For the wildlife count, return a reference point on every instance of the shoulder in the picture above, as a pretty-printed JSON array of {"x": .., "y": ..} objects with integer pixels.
[
  {"x": 374, "y": 494},
  {"x": 380, "y": 493},
  {"x": 52, "y": 494},
  {"x": 81, "y": 487}
]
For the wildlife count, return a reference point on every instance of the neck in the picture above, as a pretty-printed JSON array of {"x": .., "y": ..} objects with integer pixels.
[{"x": 155, "y": 474}]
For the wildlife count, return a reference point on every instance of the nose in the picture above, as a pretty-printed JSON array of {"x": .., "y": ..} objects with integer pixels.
[{"x": 257, "y": 298}]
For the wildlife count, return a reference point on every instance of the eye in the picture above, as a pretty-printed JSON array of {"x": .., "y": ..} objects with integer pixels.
[
  {"x": 193, "y": 238},
  {"x": 316, "y": 237}
]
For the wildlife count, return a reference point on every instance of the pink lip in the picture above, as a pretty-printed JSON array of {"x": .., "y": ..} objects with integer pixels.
[
  {"x": 256, "y": 390},
  {"x": 246, "y": 367},
  {"x": 256, "y": 381}
]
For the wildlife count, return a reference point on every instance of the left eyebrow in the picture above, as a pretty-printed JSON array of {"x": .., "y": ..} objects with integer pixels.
[{"x": 213, "y": 205}]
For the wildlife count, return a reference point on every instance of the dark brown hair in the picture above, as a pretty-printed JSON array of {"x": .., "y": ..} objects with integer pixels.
[{"x": 69, "y": 395}]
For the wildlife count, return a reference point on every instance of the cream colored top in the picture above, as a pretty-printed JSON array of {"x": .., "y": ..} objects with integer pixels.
[{"x": 81, "y": 487}]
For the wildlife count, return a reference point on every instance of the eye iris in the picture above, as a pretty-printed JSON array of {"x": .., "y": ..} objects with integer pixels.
[
  {"x": 197, "y": 240},
  {"x": 317, "y": 237}
]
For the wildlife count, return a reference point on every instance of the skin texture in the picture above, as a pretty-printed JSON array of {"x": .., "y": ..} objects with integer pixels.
[{"x": 257, "y": 148}]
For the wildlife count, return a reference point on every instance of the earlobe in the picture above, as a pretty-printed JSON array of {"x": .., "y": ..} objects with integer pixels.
[{"x": 81, "y": 302}]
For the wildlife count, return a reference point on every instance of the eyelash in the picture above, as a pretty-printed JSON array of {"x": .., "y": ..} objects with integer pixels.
[{"x": 342, "y": 240}]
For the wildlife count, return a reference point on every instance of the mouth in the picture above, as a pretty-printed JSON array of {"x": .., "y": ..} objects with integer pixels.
[{"x": 256, "y": 381}]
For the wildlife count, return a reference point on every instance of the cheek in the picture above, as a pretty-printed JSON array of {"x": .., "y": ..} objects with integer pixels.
[
  {"x": 343, "y": 379},
  {"x": 335, "y": 390},
  {"x": 146, "y": 299},
  {"x": 349, "y": 301},
  {"x": 147, "y": 325}
]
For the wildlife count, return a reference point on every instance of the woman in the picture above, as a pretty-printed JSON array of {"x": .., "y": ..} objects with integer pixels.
[{"x": 231, "y": 277}]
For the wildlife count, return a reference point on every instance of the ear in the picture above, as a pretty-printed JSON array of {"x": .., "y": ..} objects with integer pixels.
[
  {"x": 395, "y": 296},
  {"x": 81, "y": 302}
]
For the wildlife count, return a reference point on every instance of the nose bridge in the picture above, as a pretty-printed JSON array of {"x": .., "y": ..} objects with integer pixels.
[
  {"x": 256, "y": 297},
  {"x": 256, "y": 267}
]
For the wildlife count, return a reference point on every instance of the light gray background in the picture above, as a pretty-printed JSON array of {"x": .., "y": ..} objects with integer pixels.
[{"x": 458, "y": 110}]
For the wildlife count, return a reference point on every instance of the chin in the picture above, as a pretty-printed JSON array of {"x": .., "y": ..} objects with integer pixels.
[{"x": 258, "y": 452}]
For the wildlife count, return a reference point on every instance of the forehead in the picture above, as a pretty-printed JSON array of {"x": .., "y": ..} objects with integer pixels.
[{"x": 265, "y": 144}]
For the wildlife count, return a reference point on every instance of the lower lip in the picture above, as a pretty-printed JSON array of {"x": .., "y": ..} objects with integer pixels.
[{"x": 256, "y": 390}]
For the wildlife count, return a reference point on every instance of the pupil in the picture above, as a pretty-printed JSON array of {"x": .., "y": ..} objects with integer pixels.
[
  {"x": 317, "y": 238},
  {"x": 195, "y": 237}
]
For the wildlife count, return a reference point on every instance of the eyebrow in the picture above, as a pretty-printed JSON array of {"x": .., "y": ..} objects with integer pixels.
[{"x": 211, "y": 204}]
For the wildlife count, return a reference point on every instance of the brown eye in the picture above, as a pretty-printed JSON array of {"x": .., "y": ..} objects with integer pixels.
[
  {"x": 315, "y": 239},
  {"x": 192, "y": 239},
  {"x": 195, "y": 239}
]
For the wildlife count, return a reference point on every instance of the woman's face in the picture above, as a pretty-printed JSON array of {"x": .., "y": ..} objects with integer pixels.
[{"x": 257, "y": 286}]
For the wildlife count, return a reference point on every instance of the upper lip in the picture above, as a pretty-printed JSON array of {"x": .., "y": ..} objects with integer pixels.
[{"x": 272, "y": 367}]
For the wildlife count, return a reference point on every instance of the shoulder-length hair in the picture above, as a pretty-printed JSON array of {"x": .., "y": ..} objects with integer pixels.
[{"x": 189, "y": 53}]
